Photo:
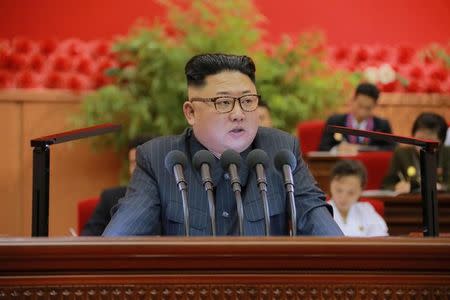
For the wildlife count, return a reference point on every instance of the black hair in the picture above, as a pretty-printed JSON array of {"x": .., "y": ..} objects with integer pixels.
[
  {"x": 348, "y": 167},
  {"x": 431, "y": 121},
  {"x": 139, "y": 140},
  {"x": 368, "y": 89},
  {"x": 202, "y": 65}
]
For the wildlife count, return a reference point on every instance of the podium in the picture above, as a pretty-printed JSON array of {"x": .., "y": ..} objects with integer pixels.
[{"x": 225, "y": 268}]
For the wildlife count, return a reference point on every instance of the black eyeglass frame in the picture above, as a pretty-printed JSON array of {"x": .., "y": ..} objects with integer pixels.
[{"x": 214, "y": 99}]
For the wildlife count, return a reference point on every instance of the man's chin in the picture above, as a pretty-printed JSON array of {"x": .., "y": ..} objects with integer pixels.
[{"x": 238, "y": 147}]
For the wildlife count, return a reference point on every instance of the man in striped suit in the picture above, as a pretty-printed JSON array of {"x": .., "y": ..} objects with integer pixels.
[{"x": 221, "y": 112}]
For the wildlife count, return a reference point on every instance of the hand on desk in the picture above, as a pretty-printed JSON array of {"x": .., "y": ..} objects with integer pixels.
[
  {"x": 403, "y": 187},
  {"x": 347, "y": 148}
]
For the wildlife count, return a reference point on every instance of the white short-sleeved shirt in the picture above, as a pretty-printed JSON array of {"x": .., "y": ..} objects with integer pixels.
[{"x": 362, "y": 220}]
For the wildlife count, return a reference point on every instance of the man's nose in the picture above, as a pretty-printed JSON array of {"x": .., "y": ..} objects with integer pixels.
[{"x": 237, "y": 114}]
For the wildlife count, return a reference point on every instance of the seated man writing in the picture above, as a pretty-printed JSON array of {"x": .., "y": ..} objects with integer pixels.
[{"x": 360, "y": 117}]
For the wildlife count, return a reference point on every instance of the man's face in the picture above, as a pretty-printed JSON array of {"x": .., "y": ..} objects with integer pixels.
[
  {"x": 221, "y": 131},
  {"x": 345, "y": 191},
  {"x": 362, "y": 107}
]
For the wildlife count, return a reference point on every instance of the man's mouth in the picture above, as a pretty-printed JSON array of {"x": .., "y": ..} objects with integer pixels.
[{"x": 237, "y": 130}]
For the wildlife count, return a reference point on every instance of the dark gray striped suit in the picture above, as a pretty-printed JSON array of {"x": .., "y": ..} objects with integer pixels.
[{"x": 153, "y": 206}]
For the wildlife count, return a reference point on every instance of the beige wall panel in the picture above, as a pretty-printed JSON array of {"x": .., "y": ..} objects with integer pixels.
[
  {"x": 402, "y": 109},
  {"x": 11, "y": 213}
]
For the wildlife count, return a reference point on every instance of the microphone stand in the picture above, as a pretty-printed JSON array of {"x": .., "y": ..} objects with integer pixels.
[
  {"x": 182, "y": 186},
  {"x": 236, "y": 185},
  {"x": 262, "y": 183},
  {"x": 289, "y": 184},
  {"x": 209, "y": 193},
  {"x": 428, "y": 170}
]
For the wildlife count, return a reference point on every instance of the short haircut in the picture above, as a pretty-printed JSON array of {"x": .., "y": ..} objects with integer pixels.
[
  {"x": 369, "y": 90},
  {"x": 348, "y": 167},
  {"x": 431, "y": 121},
  {"x": 139, "y": 140},
  {"x": 200, "y": 66}
]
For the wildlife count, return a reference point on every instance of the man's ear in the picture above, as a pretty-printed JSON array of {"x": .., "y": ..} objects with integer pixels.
[{"x": 189, "y": 112}]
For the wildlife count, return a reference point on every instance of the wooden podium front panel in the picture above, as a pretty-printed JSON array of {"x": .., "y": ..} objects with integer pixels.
[{"x": 225, "y": 268}]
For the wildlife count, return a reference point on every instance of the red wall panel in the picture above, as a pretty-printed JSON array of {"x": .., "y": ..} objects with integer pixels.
[{"x": 412, "y": 22}]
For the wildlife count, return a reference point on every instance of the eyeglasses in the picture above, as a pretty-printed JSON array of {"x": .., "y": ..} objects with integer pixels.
[{"x": 225, "y": 104}]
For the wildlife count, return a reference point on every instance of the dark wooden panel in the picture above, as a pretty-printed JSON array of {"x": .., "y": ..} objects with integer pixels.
[{"x": 225, "y": 268}]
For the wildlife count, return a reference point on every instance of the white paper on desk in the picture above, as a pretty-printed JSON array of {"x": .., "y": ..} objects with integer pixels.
[
  {"x": 327, "y": 154},
  {"x": 379, "y": 193}
]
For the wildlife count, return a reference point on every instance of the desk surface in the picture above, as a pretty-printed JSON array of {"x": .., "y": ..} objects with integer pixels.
[{"x": 410, "y": 198}]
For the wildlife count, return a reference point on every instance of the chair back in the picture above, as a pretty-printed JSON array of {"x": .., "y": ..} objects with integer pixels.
[
  {"x": 309, "y": 134},
  {"x": 377, "y": 165},
  {"x": 85, "y": 208}
]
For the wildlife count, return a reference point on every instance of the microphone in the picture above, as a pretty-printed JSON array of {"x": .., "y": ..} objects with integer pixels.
[
  {"x": 202, "y": 162},
  {"x": 175, "y": 163},
  {"x": 285, "y": 162},
  {"x": 230, "y": 161},
  {"x": 259, "y": 160}
]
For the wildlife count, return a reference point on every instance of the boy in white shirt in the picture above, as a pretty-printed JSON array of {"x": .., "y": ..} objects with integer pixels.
[{"x": 348, "y": 179}]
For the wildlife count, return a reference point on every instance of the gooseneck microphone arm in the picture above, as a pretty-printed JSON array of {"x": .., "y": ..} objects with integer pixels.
[
  {"x": 182, "y": 186},
  {"x": 285, "y": 162},
  {"x": 262, "y": 184},
  {"x": 236, "y": 186},
  {"x": 289, "y": 185},
  {"x": 175, "y": 163},
  {"x": 202, "y": 161},
  {"x": 210, "y": 194},
  {"x": 230, "y": 161},
  {"x": 258, "y": 159}
]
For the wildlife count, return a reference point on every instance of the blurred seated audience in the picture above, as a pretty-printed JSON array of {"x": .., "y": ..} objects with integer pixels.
[
  {"x": 360, "y": 117},
  {"x": 404, "y": 171},
  {"x": 355, "y": 218},
  {"x": 110, "y": 197},
  {"x": 265, "y": 119}
]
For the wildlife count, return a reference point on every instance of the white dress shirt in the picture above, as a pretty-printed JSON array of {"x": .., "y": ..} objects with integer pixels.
[{"x": 362, "y": 220}]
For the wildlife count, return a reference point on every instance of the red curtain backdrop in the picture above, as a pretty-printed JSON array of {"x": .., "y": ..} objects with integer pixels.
[{"x": 412, "y": 22}]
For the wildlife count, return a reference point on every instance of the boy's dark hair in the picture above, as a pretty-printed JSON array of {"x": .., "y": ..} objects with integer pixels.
[
  {"x": 368, "y": 89},
  {"x": 431, "y": 121},
  {"x": 348, "y": 167},
  {"x": 200, "y": 66},
  {"x": 139, "y": 140}
]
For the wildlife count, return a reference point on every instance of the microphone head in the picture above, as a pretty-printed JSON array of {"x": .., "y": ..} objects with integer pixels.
[
  {"x": 203, "y": 157},
  {"x": 230, "y": 157},
  {"x": 257, "y": 156},
  {"x": 285, "y": 157},
  {"x": 175, "y": 157}
]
